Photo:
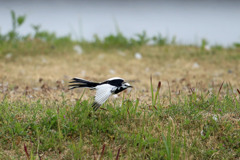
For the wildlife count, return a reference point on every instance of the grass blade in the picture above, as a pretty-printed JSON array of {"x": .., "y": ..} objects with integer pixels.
[
  {"x": 220, "y": 88},
  {"x": 103, "y": 149},
  {"x": 166, "y": 146},
  {"x": 152, "y": 89},
  {"x": 117, "y": 157},
  {"x": 238, "y": 91},
  {"x": 157, "y": 93},
  {"x": 26, "y": 151},
  {"x": 170, "y": 95}
]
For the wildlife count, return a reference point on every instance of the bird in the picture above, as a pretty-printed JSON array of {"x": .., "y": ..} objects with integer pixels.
[{"x": 103, "y": 89}]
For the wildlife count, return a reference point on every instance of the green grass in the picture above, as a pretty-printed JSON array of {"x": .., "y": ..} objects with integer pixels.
[{"x": 195, "y": 126}]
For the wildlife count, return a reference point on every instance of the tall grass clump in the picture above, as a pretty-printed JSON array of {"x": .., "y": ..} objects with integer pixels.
[
  {"x": 40, "y": 42},
  {"x": 17, "y": 22},
  {"x": 156, "y": 95}
]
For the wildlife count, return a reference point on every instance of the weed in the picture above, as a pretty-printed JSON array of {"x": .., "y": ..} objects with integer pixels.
[
  {"x": 154, "y": 97},
  {"x": 161, "y": 41},
  {"x": 17, "y": 21}
]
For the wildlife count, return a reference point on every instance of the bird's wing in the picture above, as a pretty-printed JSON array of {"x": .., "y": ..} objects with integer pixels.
[{"x": 102, "y": 94}]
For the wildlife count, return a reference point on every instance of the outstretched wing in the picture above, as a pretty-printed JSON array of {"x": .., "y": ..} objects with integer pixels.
[{"x": 102, "y": 94}]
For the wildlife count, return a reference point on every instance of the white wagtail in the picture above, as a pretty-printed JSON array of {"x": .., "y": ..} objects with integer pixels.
[{"x": 103, "y": 89}]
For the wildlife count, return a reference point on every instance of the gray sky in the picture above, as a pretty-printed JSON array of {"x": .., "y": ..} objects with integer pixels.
[{"x": 188, "y": 20}]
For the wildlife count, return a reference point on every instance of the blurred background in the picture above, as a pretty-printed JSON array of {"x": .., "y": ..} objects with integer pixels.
[
  {"x": 187, "y": 20},
  {"x": 184, "y": 44}
]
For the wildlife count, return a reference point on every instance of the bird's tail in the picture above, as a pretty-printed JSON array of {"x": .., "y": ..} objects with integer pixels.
[{"x": 81, "y": 83}]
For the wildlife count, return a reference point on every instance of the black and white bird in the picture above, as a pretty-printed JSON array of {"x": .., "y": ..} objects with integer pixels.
[{"x": 103, "y": 89}]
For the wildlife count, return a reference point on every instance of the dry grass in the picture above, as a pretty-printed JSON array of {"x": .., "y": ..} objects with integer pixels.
[
  {"x": 181, "y": 67},
  {"x": 186, "y": 71}
]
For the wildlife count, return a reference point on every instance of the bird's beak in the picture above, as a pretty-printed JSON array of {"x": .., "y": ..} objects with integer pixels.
[{"x": 128, "y": 85}]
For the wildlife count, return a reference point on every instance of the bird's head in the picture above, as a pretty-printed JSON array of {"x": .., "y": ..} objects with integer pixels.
[{"x": 126, "y": 85}]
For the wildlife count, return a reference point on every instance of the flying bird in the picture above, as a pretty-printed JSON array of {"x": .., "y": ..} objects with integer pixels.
[{"x": 103, "y": 89}]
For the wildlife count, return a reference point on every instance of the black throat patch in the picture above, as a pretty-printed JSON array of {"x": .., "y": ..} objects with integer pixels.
[{"x": 119, "y": 89}]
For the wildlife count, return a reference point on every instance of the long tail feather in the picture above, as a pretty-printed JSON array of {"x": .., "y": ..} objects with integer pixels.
[
  {"x": 81, "y": 83},
  {"x": 78, "y": 80}
]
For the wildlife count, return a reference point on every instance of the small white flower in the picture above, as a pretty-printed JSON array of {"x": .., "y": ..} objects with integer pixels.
[
  {"x": 195, "y": 65},
  {"x": 202, "y": 134},
  {"x": 8, "y": 56},
  {"x": 138, "y": 55},
  {"x": 214, "y": 117},
  {"x": 78, "y": 49},
  {"x": 112, "y": 71},
  {"x": 207, "y": 48}
]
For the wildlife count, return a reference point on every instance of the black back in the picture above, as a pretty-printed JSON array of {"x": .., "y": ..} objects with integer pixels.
[{"x": 114, "y": 82}]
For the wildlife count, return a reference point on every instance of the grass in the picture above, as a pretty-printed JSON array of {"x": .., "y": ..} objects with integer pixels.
[
  {"x": 197, "y": 127},
  {"x": 189, "y": 109}
]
